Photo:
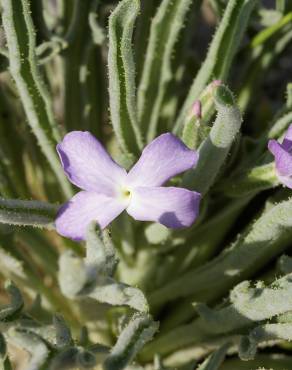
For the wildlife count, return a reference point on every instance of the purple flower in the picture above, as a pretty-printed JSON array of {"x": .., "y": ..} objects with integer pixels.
[
  {"x": 283, "y": 158},
  {"x": 108, "y": 190}
]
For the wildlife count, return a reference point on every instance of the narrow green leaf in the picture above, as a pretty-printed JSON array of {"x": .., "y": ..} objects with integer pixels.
[
  {"x": 223, "y": 48},
  {"x": 250, "y": 181},
  {"x": 201, "y": 245},
  {"x": 280, "y": 126},
  {"x": 263, "y": 240},
  {"x": 157, "y": 72},
  {"x": 215, "y": 360},
  {"x": 13, "y": 182},
  {"x": 268, "y": 237},
  {"x": 262, "y": 57},
  {"x": 122, "y": 77},
  {"x": 37, "y": 12},
  {"x": 264, "y": 35},
  {"x": 148, "y": 8},
  {"x": 27, "y": 213},
  {"x": 20, "y": 35},
  {"x": 41, "y": 247},
  {"x": 11, "y": 311},
  {"x": 80, "y": 45}
]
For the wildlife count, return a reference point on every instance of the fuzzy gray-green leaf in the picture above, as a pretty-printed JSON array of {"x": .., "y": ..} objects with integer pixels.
[
  {"x": 261, "y": 334},
  {"x": 100, "y": 250}
]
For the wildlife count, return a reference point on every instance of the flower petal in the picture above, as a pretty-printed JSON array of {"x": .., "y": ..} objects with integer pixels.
[
  {"x": 286, "y": 180},
  {"x": 287, "y": 142},
  {"x": 283, "y": 158},
  {"x": 163, "y": 158},
  {"x": 75, "y": 215},
  {"x": 172, "y": 207},
  {"x": 88, "y": 165}
]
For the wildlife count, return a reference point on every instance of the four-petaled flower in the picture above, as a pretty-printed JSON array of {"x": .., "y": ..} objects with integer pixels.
[
  {"x": 108, "y": 190},
  {"x": 283, "y": 158}
]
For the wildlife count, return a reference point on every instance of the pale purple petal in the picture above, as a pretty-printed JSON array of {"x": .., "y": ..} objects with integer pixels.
[
  {"x": 170, "y": 206},
  {"x": 163, "y": 158},
  {"x": 88, "y": 165},
  {"x": 287, "y": 142},
  {"x": 74, "y": 216},
  {"x": 286, "y": 180},
  {"x": 283, "y": 158}
]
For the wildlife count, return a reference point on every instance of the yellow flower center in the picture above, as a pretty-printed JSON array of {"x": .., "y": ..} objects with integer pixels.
[{"x": 126, "y": 193}]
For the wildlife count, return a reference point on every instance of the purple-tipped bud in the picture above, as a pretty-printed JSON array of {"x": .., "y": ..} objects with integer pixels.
[
  {"x": 213, "y": 84},
  {"x": 216, "y": 83},
  {"x": 197, "y": 109},
  {"x": 283, "y": 158}
]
